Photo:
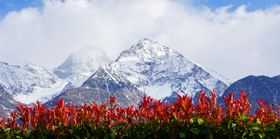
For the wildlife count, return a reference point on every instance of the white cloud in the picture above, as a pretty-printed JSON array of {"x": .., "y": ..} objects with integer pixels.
[{"x": 235, "y": 44}]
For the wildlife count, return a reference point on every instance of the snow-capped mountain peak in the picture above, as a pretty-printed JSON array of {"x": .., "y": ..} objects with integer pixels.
[
  {"x": 79, "y": 66},
  {"x": 146, "y": 67},
  {"x": 148, "y": 61},
  {"x": 147, "y": 50},
  {"x": 151, "y": 66}
]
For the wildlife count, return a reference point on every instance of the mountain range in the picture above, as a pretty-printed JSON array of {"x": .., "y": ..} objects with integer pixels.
[
  {"x": 262, "y": 88},
  {"x": 146, "y": 68}
]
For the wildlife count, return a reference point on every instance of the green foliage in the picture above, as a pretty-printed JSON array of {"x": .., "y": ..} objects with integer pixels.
[{"x": 153, "y": 129}]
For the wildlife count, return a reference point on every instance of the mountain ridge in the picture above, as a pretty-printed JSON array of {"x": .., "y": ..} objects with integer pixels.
[
  {"x": 257, "y": 88},
  {"x": 145, "y": 65}
]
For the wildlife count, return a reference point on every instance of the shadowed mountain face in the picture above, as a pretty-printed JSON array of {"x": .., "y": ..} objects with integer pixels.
[
  {"x": 258, "y": 88},
  {"x": 99, "y": 87},
  {"x": 7, "y": 102}
]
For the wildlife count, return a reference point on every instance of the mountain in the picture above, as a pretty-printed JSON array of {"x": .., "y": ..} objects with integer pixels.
[
  {"x": 99, "y": 87},
  {"x": 7, "y": 102},
  {"x": 146, "y": 68},
  {"x": 161, "y": 71},
  {"x": 79, "y": 66},
  {"x": 23, "y": 79},
  {"x": 258, "y": 88},
  {"x": 29, "y": 83}
]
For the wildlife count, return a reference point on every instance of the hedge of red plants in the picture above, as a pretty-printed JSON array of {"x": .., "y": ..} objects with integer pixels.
[{"x": 152, "y": 119}]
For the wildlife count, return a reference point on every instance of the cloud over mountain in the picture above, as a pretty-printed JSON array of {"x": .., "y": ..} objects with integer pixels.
[{"x": 235, "y": 43}]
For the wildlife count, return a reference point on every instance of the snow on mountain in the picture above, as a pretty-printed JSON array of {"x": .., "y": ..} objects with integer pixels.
[
  {"x": 16, "y": 79},
  {"x": 31, "y": 83},
  {"x": 215, "y": 74},
  {"x": 148, "y": 62},
  {"x": 146, "y": 67},
  {"x": 157, "y": 91},
  {"x": 79, "y": 66},
  {"x": 153, "y": 67},
  {"x": 42, "y": 94},
  {"x": 27, "y": 83}
]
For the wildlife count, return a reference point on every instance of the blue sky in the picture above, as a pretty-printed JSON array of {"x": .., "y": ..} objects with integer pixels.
[
  {"x": 15, "y": 5},
  {"x": 251, "y": 4}
]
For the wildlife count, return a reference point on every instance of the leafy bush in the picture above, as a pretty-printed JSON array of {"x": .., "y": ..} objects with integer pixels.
[{"x": 153, "y": 119}]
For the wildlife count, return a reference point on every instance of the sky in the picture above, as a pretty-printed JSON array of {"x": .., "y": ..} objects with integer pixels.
[
  {"x": 251, "y": 4},
  {"x": 7, "y": 6},
  {"x": 235, "y": 38}
]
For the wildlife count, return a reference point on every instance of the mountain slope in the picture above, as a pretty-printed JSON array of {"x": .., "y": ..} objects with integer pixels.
[
  {"x": 23, "y": 79},
  {"x": 7, "y": 102},
  {"x": 99, "y": 87},
  {"x": 29, "y": 83},
  {"x": 258, "y": 88}
]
